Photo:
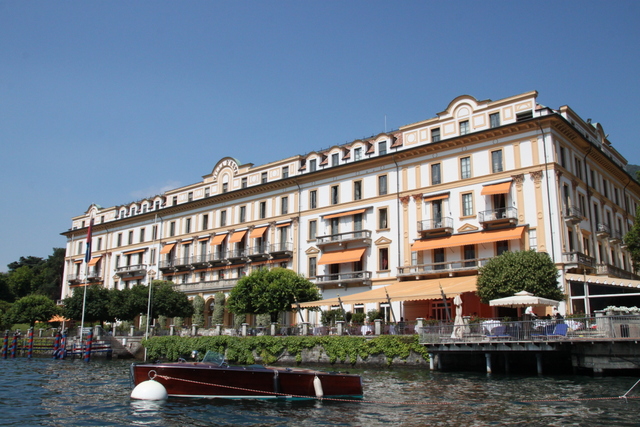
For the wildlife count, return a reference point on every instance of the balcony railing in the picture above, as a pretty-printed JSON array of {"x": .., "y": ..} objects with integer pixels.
[
  {"x": 578, "y": 258},
  {"x": 351, "y": 277},
  {"x": 435, "y": 226},
  {"x": 498, "y": 216},
  {"x": 604, "y": 269},
  {"x": 94, "y": 273},
  {"x": 603, "y": 230},
  {"x": 360, "y": 235},
  {"x": 204, "y": 286},
  {"x": 572, "y": 214},
  {"x": 616, "y": 236},
  {"x": 442, "y": 267},
  {"x": 133, "y": 268}
]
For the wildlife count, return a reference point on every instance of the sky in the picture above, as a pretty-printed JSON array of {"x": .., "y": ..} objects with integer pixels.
[{"x": 109, "y": 102}]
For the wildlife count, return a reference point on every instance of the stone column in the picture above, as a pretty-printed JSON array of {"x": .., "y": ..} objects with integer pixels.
[
  {"x": 218, "y": 329},
  {"x": 244, "y": 329},
  {"x": 378, "y": 326},
  {"x": 305, "y": 328},
  {"x": 340, "y": 325},
  {"x": 273, "y": 328},
  {"x": 172, "y": 330}
]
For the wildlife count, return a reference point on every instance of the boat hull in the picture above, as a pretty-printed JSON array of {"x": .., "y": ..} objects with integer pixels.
[{"x": 205, "y": 380}]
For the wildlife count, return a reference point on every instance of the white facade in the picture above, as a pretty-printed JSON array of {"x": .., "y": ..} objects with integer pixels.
[{"x": 359, "y": 214}]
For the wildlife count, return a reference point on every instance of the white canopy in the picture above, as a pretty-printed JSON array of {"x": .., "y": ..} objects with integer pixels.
[{"x": 523, "y": 299}]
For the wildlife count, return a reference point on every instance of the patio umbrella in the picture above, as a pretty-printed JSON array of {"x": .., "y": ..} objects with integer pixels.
[
  {"x": 458, "y": 323},
  {"x": 523, "y": 299}
]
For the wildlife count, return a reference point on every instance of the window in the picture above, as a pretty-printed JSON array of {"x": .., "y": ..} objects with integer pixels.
[
  {"x": 172, "y": 228},
  {"x": 496, "y": 161},
  {"x": 436, "y": 213},
  {"x": 223, "y": 218},
  {"x": 357, "y": 224},
  {"x": 435, "y": 135},
  {"x": 382, "y": 219},
  {"x": 99, "y": 245},
  {"x": 156, "y": 205},
  {"x": 383, "y": 259},
  {"x": 382, "y": 147},
  {"x": 243, "y": 214},
  {"x": 187, "y": 225},
  {"x": 467, "y": 204},
  {"x": 152, "y": 256},
  {"x": 313, "y": 227},
  {"x": 190, "y": 196},
  {"x": 605, "y": 188},
  {"x": 357, "y": 190},
  {"x": 494, "y": 120},
  {"x": 464, "y": 127},
  {"x": 335, "y": 159},
  {"x": 154, "y": 232},
  {"x": 525, "y": 115},
  {"x": 563, "y": 157},
  {"x": 438, "y": 259},
  {"x": 357, "y": 153},
  {"x": 313, "y": 264},
  {"x": 205, "y": 222},
  {"x": 206, "y": 192},
  {"x": 263, "y": 210},
  {"x": 313, "y": 199},
  {"x": 131, "y": 237},
  {"x": 335, "y": 226},
  {"x": 470, "y": 254},
  {"x": 382, "y": 185},
  {"x": 435, "y": 174},
  {"x": 465, "y": 167},
  {"x": 502, "y": 246},
  {"x": 533, "y": 239},
  {"x": 284, "y": 205},
  {"x": 119, "y": 240},
  {"x": 312, "y": 165},
  {"x": 285, "y": 172},
  {"x": 284, "y": 235},
  {"x": 578, "y": 165},
  {"x": 263, "y": 178},
  {"x": 243, "y": 182},
  {"x": 335, "y": 199},
  {"x": 142, "y": 235},
  {"x": 225, "y": 187},
  {"x": 175, "y": 200}
]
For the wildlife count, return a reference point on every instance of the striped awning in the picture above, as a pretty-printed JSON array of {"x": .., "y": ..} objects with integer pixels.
[{"x": 468, "y": 239}]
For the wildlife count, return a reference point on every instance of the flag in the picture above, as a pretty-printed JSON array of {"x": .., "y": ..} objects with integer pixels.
[{"x": 87, "y": 257}]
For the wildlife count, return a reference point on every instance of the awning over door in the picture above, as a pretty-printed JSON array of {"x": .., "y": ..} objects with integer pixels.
[
  {"x": 346, "y": 213},
  {"x": 217, "y": 239},
  {"x": 469, "y": 239},
  {"x": 502, "y": 188},
  {"x": 94, "y": 261},
  {"x": 338, "y": 257},
  {"x": 237, "y": 236},
  {"x": 167, "y": 248},
  {"x": 257, "y": 232},
  {"x": 603, "y": 280},
  {"x": 405, "y": 291}
]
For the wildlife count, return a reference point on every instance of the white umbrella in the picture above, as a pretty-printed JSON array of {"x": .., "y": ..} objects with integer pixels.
[
  {"x": 523, "y": 299},
  {"x": 458, "y": 323}
]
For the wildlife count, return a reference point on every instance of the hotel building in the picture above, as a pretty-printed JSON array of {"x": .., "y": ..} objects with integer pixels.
[{"x": 391, "y": 222}]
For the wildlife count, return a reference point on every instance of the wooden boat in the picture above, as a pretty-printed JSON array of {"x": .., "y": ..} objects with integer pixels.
[{"x": 214, "y": 378}]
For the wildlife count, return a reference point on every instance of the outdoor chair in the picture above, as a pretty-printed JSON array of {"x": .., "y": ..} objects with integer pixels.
[
  {"x": 499, "y": 332},
  {"x": 559, "y": 331},
  {"x": 547, "y": 330}
]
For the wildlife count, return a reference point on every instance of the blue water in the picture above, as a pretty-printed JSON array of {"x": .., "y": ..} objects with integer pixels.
[{"x": 45, "y": 392}]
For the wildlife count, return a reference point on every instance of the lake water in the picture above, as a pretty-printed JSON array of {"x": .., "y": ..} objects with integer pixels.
[{"x": 46, "y": 392}]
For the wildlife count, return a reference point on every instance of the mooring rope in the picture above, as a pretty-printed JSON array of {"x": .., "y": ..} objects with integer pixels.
[{"x": 575, "y": 399}]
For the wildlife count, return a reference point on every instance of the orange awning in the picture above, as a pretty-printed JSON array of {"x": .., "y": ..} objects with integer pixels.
[
  {"x": 502, "y": 188},
  {"x": 468, "y": 239},
  {"x": 78, "y": 261},
  {"x": 436, "y": 197},
  {"x": 135, "y": 251},
  {"x": 283, "y": 224},
  {"x": 167, "y": 248},
  {"x": 338, "y": 257},
  {"x": 237, "y": 236},
  {"x": 341, "y": 214},
  {"x": 257, "y": 232},
  {"x": 94, "y": 261},
  {"x": 412, "y": 290},
  {"x": 217, "y": 239}
]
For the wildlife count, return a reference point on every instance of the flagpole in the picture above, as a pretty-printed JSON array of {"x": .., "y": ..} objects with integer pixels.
[{"x": 87, "y": 258}]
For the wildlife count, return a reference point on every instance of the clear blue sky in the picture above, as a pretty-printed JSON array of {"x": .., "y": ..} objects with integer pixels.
[{"x": 110, "y": 101}]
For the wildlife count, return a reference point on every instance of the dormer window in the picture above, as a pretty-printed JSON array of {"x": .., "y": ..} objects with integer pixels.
[
  {"x": 464, "y": 127},
  {"x": 382, "y": 148}
]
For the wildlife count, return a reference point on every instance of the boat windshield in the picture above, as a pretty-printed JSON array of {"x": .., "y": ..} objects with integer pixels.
[{"x": 213, "y": 357}]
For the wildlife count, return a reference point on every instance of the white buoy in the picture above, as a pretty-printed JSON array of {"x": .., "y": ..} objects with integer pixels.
[
  {"x": 317, "y": 386},
  {"x": 149, "y": 390}
]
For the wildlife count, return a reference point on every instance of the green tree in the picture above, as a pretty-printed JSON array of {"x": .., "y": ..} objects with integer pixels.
[
  {"x": 198, "y": 310},
  {"x": 96, "y": 307},
  {"x": 21, "y": 281},
  {"x": 270, "y": 292},
  {"x": 168, "y": 302},
  {"x": 5, "y": 291},
  {"x": 217, "y": 317},
  {"x": 31, "y": 309},
  {"x": 513, "y": 272},
  {"x": 50, "y": 276},
  {"x": 632, "y": 240}
]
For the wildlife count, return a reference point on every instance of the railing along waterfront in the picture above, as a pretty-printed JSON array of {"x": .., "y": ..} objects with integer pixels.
[{"x": 540, "y": 329}]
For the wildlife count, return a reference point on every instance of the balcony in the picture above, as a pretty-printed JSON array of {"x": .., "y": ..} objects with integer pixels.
[
  {"x": 258, "y": 251},
  {"x": 442, "y": 269},
  {"x": 360, "y": 236},
  {"x": 281, "y": 250},
  {"x": 435, "y": 227},
  {"x": 73, "y": 278},
  {"x": 342, "y": 280},
  {"x": 237, "y": 256},
  {"x": 131, "y": 270},
  {"x": 578, "y": 259},
  {"x": 204, "y": 286},
  {"x": 94, "y": 274},
  {"x": 604, "y": 269},
  {"x": 615, "y": 237},
  {"x": 500, "y": 217},
  {"x": 603, "y": 231},
  {"x": 572, "y": 215}
]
